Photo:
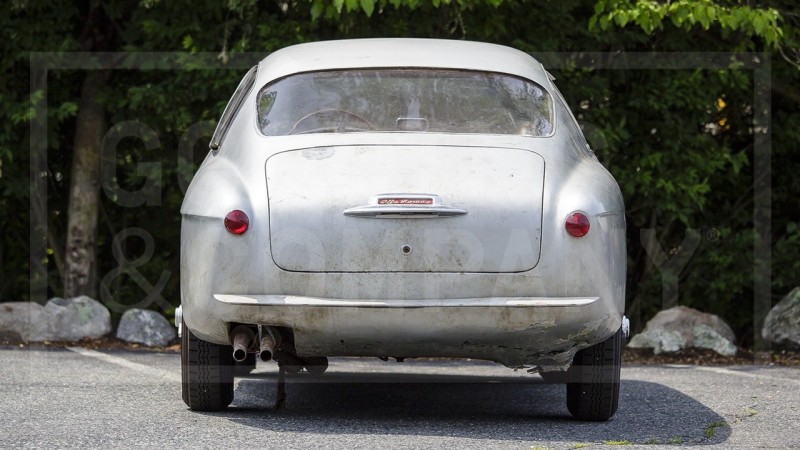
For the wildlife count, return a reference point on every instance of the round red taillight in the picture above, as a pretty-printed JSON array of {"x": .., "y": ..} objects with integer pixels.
[
  {"x": 236, "y": 222},
  {"x": 577, "y": 224}
]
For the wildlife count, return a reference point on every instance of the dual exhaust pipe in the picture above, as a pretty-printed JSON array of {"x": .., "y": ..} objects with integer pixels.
[{"x": 243, "y": 339}]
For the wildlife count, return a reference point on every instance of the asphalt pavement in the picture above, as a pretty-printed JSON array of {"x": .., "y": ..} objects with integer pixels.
[{"x": 85, "y": 398}]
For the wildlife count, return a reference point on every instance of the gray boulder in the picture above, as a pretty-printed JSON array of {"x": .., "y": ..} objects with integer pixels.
[
  {"x": 24, "y": 321},
  {"x": 782, "y": 324},
  {"x": 707, "y": 337},
  {"x": 145, "y": 327},
  {"x": 681, "y": 327},
  {"x": 72, "y": 319},
  {"x": 659, "y": 340}
]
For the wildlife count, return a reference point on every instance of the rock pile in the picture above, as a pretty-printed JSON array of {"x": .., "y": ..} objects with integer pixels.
[
  {"x": 680, "y": 327},
  {"x": 73, "y": 319},
  {"x": 61, "y": 319}
]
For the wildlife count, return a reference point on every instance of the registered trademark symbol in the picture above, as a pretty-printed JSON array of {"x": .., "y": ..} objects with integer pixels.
[{"x": 712, "y": 234}]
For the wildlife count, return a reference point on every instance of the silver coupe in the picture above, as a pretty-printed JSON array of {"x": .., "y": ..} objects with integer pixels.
[{"x": 401, "y": 198}]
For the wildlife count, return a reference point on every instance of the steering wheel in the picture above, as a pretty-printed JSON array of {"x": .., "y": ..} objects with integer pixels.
[{"x": 331, "y": 113}]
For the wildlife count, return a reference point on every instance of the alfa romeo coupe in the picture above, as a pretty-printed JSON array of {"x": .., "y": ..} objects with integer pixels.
[{"x": 402, "y": 198}]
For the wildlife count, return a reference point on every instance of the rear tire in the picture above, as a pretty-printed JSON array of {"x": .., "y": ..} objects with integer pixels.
[
  {"x": 593, "y": 380},
  {"x": 206, "y": 373}
]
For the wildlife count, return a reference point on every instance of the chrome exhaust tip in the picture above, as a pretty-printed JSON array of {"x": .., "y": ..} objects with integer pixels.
[{"x": 242, "y": 338}]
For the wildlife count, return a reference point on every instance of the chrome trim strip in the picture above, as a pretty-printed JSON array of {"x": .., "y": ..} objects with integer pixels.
[
  {"x": 291, "y": 300},
  {"x": 404, "y": 206},
  {"x": 403, "y": 212}
]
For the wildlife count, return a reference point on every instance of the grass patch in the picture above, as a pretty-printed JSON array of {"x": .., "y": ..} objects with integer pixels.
[
  {"x": 750, "y": 411},
  {"x": 625, "y": 442},
  {"x": 676, "y": 440},
  {"x": 652, "y": 441},
  {"x": 711, "y": 430},
  {"x": 581, "y": 445}
]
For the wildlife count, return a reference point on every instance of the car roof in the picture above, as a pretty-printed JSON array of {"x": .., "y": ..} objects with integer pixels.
[{"x": 399, "y": 52}]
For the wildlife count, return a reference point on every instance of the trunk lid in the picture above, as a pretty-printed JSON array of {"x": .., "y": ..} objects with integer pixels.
[{"x": 405, "y": 209}]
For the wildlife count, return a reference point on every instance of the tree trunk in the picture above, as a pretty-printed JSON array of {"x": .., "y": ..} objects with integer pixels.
[
  {"x": 84, "y": 194},
  {"x": 80, "y": 255}
]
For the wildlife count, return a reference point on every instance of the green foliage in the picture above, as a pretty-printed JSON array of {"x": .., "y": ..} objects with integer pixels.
[
  {"x": 332, "y": 9},
  {"x": 687, "y": 14},
  {"x": 680, "y": 142}
]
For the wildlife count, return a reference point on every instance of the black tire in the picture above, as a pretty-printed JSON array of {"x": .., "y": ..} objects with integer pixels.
[
  {"x": 593, "y": 380},
  {"x": 315, "y": 365},
  {"x": 206, "y": 373}
]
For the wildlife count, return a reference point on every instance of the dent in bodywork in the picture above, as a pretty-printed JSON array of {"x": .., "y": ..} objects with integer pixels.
[
  {"x": 558, "y": 357},
  {"x": 556, "y": 354}
]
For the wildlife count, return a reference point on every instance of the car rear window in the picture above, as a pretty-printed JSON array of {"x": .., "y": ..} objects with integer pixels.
[{"x": 404, "y": 100}]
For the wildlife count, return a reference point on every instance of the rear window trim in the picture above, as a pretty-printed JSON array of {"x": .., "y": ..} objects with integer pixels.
[
  {"x": 234, "y": 105},
  {"x": 554, "y": 121}
]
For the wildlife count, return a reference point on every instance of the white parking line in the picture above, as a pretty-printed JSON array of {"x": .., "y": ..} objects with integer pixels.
[
  {"x": 754, "y": 376},
  {"x": 122, "y": 362}
]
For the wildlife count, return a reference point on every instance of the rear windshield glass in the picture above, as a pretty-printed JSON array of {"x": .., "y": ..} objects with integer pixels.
[{"x": 412, "y": 100}]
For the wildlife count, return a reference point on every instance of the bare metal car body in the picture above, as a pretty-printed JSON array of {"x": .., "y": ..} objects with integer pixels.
[{"x": 410, "y": 242}]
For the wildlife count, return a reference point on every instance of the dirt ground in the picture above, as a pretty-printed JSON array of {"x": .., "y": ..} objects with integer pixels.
[{"x": 698, "y": 357}]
